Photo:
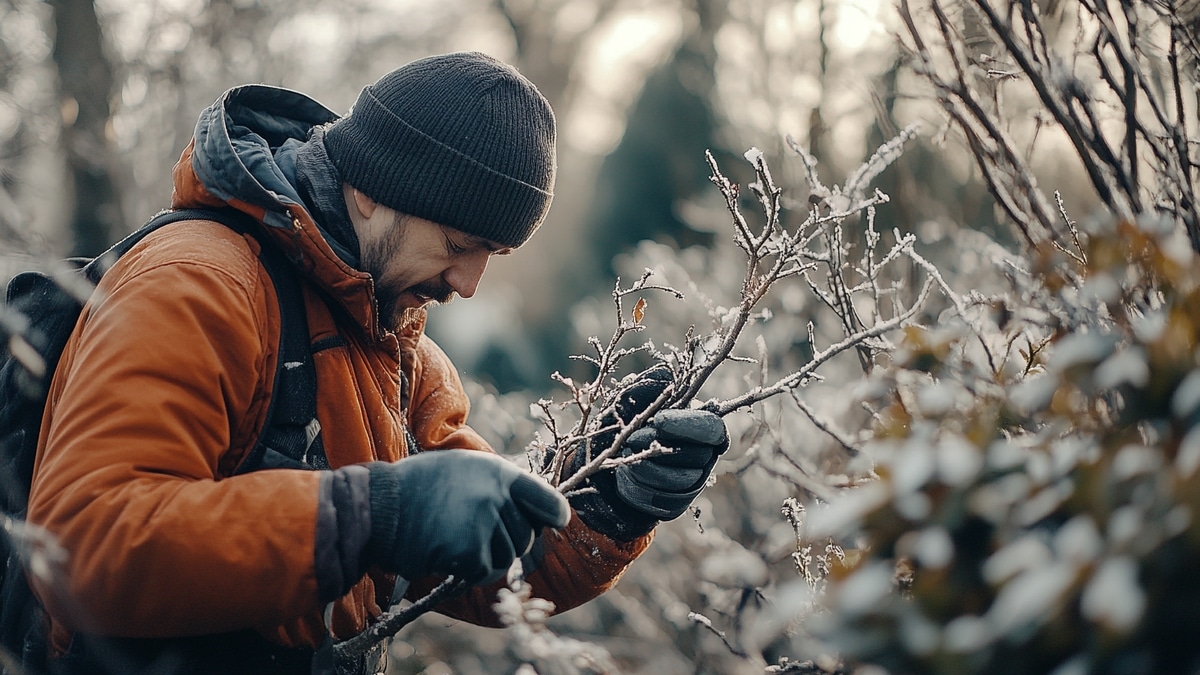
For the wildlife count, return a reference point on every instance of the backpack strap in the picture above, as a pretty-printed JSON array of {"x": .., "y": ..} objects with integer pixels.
[{"x": 291, "y": 436}]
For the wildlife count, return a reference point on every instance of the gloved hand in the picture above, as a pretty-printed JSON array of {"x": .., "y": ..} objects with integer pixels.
[
  {"x": 457, "y": 512},
  {"x": 663, "y": 486},
  {"x": 631, "y": 499}
]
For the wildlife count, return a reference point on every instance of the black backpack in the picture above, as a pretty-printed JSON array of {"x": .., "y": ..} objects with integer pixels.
[{"x": 38, "y": 317}]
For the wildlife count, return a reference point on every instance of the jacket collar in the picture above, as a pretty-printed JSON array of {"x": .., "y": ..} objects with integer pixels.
[{"x": 235, "y": 160}]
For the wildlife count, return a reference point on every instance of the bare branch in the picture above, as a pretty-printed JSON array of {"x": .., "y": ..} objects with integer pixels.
[{"x": 392, "y": 622}]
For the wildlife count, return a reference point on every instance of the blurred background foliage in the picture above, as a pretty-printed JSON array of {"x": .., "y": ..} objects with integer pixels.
[{"x": 1007, "y": 486}]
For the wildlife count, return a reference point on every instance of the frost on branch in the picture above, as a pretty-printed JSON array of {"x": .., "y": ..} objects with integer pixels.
[
  {"x": 791, "y": 299},
  {"x": 1105, "y": 84},
  {"x": 524, "y": 617},
  {"x": 833, "y": 254},
  {"x": 39, "y": 551},
  {"x": 784, "y": 329}
]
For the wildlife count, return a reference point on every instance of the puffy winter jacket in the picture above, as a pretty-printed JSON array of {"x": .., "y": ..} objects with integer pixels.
[{"x": 164, "y": 386}]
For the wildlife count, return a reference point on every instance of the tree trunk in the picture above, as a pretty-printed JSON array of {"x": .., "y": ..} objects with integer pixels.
[{"x": 85, "y": 80}]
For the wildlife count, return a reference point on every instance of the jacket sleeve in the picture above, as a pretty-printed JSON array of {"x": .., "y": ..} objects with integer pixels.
[
  {"x": 164, "y": 373},
  {"x": 577, "y": 563}
]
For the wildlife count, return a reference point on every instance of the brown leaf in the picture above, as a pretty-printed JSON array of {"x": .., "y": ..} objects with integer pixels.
[{"x": 639, "y": 310}]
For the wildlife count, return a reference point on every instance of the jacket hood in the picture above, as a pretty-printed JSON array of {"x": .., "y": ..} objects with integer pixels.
[
  {"x": 235, "y": 143},
  {"x": 234, "y": 160}
]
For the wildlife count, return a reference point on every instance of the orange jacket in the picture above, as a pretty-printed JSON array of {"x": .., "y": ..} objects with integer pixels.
[{"x": 161, "y": 391}]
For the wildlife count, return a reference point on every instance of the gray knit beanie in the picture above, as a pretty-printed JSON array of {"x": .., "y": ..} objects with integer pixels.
[{"x": 460, "y": 139}]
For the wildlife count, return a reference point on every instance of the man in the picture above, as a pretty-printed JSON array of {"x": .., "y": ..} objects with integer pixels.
[{"x": 179, "y": 563}]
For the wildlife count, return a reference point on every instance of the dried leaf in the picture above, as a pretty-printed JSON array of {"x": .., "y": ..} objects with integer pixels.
[{"x": 639, "y": 310}]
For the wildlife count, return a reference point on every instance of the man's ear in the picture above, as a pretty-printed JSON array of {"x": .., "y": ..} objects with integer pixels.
[{"x": 364, "y": 204}]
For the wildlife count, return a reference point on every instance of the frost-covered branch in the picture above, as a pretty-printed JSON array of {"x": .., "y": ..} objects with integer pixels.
[
  {"x": 843, "y": 275},
  {"x": 1117, "y": 103},
  {"x": 393, "y": 621},
  {"x": 524, "y": 617}
]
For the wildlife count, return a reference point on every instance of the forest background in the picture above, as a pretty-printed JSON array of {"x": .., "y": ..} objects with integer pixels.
[{"x": 950, "y": 473}]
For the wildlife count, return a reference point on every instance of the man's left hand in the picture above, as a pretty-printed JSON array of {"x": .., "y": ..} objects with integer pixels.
[
  {"x": 663, "y": 485},
  {"x": 628, "y": 501}
]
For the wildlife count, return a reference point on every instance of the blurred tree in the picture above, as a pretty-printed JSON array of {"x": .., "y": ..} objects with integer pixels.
[
  {"x": 546, "y": 36},
  {"x": 86, "y": 85},
  {"x": 639, "y": 186},
  {"x": 923, "y": 185},
  {"x": 554, "y": 44},
  {"x": 12, "y": 133},
  {"x": 655, "y": 167}
]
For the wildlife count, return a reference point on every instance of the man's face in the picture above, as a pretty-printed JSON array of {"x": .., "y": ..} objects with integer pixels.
[{"x": 415, "y": 262}]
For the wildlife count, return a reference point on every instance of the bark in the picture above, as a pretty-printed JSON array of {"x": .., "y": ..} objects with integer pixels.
[{"x": 86, "y": 82}]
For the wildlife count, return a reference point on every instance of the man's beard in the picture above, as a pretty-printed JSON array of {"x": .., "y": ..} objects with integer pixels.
[
  {"x": 374, "y": 260},
  {"x": 388, "y": 300}
]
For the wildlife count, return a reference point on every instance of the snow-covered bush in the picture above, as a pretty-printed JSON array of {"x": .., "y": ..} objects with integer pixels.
[{"x": 1036, "y": 460}]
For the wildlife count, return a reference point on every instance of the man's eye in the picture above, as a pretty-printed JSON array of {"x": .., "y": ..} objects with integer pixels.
[{"x": 454, "y": 247}]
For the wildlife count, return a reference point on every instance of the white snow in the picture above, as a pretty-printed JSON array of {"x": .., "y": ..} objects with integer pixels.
[
  {"x": 1030, "y": 597},
  {"x": 913, "y": 467},
  {"x": 1034, "y": 394},
  {"x": 1005, "y": 454},
  {"x": 1079, "y": 540},
  {"x": 966, "y": 634},
  {"x": 1123, "y": 525},
  {"x": 1133, "y": 460},
  {"x": 1187, "y": 458},
  {"x": 958, "y": 461},
  {"x": 735, "y": 568},
  {"x": 934, "y": 548},
  {"x": 919, "y": 635},
  {"x": 843, "y": 514},
  {"x": 1187, "y": 395},
  {"x": 1081, "y": 348},
  {"x": 937, "y": 399},
  {"x": 915, "y": 506},
  {"x": 1015, "y": 557},
  {"x": 1125, "y": 367},
  {"x": 1100, "y": 288},
  {"x": 1114, "y": 597},
  {"x": 1177, "y": 520},
  {"x": 1150, "y": 327},
  {"x": 864, "y": 590},
  {"x": 1075, "y": 666}
]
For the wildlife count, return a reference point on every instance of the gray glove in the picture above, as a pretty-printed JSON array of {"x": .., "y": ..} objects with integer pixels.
[
  {"x": 457, "y": 512},
  {"x": 663, "y": 486},
  {"x": 630, "y": 500}
]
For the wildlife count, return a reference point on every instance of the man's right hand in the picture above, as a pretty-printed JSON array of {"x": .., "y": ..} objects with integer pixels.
[{"x": 459, "y": 512}]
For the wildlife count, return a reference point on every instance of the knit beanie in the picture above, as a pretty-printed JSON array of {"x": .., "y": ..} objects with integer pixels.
[{"x": 460, "y": 139}]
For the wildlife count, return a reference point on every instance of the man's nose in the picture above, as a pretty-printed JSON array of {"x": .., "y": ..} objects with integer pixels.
[{"x": 466, "y": 272}]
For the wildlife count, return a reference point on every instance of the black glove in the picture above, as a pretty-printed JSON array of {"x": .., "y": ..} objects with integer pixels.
[
  {"x": 457, "y": 512},
  {"x": 663, "y": 486},
  {"x": 631, "y": 499}
]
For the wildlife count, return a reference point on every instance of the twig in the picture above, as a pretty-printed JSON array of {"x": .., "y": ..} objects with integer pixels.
[
  {"x": 798, "y": 377},
  {"x": 700, "y": 619},
  {"x": 392, "y": 622}
]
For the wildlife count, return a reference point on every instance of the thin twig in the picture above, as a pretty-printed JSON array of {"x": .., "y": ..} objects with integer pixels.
[{"x": 392, "y": 622}]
